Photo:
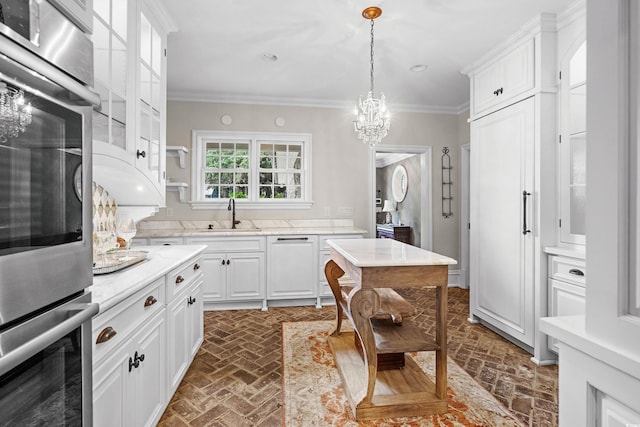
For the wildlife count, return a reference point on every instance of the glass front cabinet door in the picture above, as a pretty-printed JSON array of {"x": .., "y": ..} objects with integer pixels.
[{"x": 573, "y": 148}]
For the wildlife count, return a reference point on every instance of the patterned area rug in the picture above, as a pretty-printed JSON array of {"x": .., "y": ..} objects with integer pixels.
[{"x": 313, "y": 394}]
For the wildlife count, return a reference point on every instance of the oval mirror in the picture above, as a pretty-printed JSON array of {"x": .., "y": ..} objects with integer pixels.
[{"x": 399, "y": 183}]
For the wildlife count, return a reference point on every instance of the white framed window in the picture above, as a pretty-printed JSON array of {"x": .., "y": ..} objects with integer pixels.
[{"x": 260, "y": 170}]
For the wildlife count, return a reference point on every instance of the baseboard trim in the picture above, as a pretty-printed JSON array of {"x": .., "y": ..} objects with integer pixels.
[{"x": 455, "y": 279}]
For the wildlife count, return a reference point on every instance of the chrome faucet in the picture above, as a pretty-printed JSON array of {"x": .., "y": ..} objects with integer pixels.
[{"x": 232, "y": 208}]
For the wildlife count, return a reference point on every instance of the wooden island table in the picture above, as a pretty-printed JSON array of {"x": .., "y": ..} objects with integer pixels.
[{"x": 362, "y": 273}]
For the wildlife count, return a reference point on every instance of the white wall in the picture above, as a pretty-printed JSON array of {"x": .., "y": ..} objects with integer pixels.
[{"x": 340, "y": 161}]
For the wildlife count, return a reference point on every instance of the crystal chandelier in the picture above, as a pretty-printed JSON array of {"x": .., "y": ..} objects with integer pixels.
[
  {"x": 15, "y": 116},
  {"x": 371, "y": 120}
]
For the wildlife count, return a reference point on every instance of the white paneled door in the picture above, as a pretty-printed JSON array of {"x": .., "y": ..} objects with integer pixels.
[{"x": 502, "y": 228}]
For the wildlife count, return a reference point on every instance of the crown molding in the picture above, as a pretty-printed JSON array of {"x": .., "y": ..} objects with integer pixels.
[
  {"x": 544, "y": 22},
  {"x": 215, "y": 98},
  {"x": 573, "y": 12}
]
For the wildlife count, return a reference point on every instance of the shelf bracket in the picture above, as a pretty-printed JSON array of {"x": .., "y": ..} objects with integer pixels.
[{"x": 178, "y": 151}]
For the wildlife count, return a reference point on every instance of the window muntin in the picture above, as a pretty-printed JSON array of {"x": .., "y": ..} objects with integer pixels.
[
  {"x": 226, "y": 170},
  {"x": 258, "y": 169},
  {"x": 279, "y": 170}
]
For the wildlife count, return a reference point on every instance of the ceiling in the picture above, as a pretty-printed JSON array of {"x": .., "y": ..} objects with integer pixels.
[{"x": 322, "y": 47}]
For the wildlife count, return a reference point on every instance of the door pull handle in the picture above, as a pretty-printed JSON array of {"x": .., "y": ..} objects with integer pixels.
[{"x": 525, "y": 230}]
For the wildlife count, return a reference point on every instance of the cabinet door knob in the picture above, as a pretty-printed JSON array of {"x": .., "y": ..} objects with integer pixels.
[
  {"x": 105, "y": 335},
  {"x": 179, "y": 279},
  {"x": 576, "y": 272},
  {"x": 228, "y": 262},
  {"x": 150, "y": 301},
  {"x": 196, "y": 267},
  {"x": 224, "y": 262},
  {"x": 142, "y": 154}
]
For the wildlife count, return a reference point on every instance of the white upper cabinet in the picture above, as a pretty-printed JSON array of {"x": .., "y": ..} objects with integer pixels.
[
  {"x": 520, "y": 67},
  {"x": 505, "y": 79},
  {"x": 573, "y": 146},
  {"x": 150, "y": 149},
  {"x": 130, "y": 75},
  {"x": 111, "y": 49}
]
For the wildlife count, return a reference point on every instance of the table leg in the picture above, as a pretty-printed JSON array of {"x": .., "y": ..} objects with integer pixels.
[
  {"x": 333, "y": 272},
  {"x": 441, "y": 339},
  {"x": 364, "y": 304}
]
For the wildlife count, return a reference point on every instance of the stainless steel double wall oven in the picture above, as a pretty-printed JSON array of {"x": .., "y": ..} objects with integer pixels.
[{"x": 46, "y": 74}]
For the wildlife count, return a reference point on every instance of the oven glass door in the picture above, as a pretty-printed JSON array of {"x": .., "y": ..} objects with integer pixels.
[
  {"x": 40, "y": 171},
  {"x": 45, "y": 367},
  {"x": 21, "y": 16},
  {"x": 47, "y": 388}
]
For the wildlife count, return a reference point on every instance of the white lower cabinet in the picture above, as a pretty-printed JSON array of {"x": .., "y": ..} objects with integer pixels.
[
  {"x": 130, "y": 386},
  {"x": 248, "y": 271},
  {"x": 185, "y": 332},
  {"x": 233, "y": 268},
  {"x": 143, "y": 345},
  {"x": 244, "y": 275},
  {"x": 566, "y": 289},
  {"x": 292, "y": 267}
]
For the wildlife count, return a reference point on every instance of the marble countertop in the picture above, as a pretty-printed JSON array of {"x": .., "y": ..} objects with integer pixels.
[
  {"x": 245, "y": 228},
  {"x": 578, "y": 253},
  {"x": 571, "y": 330},
  {"x": 386, "y": 253},
  {"x": 110, "y": 289}
]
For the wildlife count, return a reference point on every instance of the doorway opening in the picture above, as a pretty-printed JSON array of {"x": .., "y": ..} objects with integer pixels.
[{"x": 415, "y": 209}]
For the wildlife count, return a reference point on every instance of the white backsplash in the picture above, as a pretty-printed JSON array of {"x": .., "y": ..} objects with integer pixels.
[{"x": 245, "y": 224}]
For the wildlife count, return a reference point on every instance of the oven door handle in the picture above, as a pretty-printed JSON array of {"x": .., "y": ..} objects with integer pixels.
[{"x": 78, "y": 313}]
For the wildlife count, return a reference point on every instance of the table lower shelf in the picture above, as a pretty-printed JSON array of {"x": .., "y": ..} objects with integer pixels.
[{"x": 402, "y": 392}]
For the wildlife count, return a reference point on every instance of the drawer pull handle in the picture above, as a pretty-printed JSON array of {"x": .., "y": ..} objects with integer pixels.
[
  {"x": 576, "y": 272},
  {"x": 284, "y": 239},
  {"x": 179, "y": 279},
  {"x": 150, "y": 301},
  {"x": 196, "y": 267},
  {"x": 105, "y": 335}
]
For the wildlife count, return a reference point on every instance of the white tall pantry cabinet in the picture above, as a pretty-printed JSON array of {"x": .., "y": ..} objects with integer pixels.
[{"x": 513, "y": 193}]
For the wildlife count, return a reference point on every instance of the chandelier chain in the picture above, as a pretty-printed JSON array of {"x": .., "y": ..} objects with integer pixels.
[{"x": 372, "y": 56}]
